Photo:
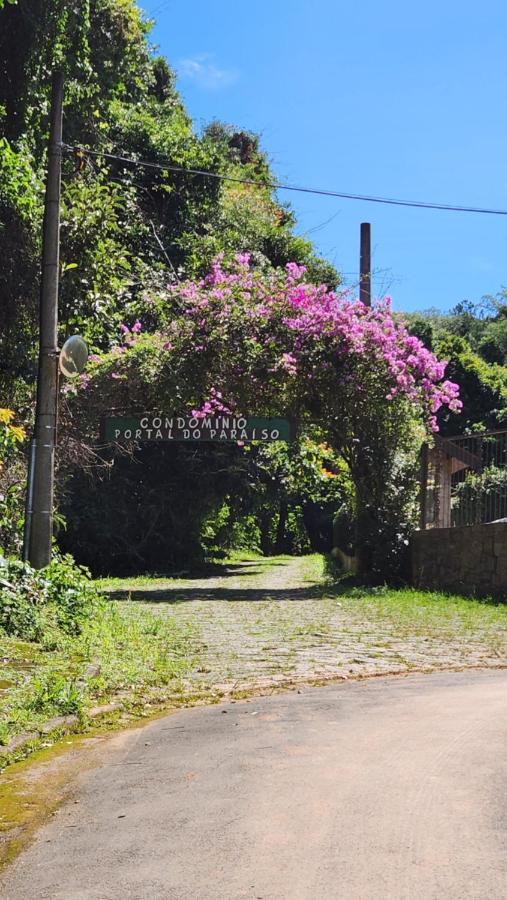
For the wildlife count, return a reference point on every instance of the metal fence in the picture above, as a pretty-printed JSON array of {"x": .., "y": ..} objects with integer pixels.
[{"x": 464, "y": 480}]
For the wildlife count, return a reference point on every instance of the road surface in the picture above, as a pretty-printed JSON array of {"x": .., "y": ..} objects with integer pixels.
[{"x": 392, "y": 789}]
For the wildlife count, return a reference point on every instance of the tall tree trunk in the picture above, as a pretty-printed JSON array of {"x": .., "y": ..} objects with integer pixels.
[
  {"x": 265, "y": 541},
  {"x": 280, "y": 542}
]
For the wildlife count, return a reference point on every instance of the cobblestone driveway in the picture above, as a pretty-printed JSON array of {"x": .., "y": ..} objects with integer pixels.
[{"x": 262, "y": 623}]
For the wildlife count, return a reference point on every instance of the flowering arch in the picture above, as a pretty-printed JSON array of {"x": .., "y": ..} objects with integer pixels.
[{"x": 242, "y": 341}]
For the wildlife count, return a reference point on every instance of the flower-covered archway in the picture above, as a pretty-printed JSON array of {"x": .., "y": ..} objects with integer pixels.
[{"x": 269, "y": 343}]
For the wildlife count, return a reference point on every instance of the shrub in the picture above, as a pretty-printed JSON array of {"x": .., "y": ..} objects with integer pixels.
[
  {"x": 12, "y": 481},
  {"x": 481, "y": 497},
  {"x": 71, "y": 593},
  {"x": 21, "y": 598},
  {"x": 61, "y": 595}
]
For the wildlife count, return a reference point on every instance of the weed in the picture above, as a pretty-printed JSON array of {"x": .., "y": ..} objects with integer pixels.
[{"x": 54, "y": 692}]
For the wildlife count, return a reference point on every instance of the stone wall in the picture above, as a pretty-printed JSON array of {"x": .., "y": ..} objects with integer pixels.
[{"x": 468, "y": 560}]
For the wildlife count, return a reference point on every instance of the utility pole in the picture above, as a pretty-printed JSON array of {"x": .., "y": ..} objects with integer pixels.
[
  {"x": 365, "y": 265},
  {"x": 39, "y": 511},
  {"x": 363, "y": 517}
]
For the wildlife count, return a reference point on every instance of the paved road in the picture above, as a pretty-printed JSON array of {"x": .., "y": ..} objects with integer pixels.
[{"x": 386, "y": 789}]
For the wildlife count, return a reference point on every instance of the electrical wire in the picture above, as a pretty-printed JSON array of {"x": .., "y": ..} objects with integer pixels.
[
  {"x": 158, "y": 8},
  {"x": 280, "y": 186}
]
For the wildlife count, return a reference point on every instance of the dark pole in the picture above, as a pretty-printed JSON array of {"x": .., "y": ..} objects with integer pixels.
[
  {"x": 363, "y": 519},
  {"x": 423, "y": 485},
  {"x": 365, "y": 265},
  {"x": 39, "y": 530}
]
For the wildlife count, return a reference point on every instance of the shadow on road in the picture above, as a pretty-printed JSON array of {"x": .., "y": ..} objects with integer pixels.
[
  {"x": 246, "y": 595},
  {"x": 184, "y": 593}
]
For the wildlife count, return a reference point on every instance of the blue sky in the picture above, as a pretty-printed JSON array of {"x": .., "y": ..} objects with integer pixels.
[{"x": 389, "y": 98}]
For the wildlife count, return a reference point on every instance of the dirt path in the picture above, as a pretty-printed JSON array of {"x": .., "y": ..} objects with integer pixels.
[
  {"x": 262, "y": 623},
  {"x": 380, "y": 789}
]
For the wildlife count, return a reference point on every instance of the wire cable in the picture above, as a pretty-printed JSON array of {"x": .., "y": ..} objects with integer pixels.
[
  {"x": 158, "y": 8},
  {"x": 280, "y": 186}
]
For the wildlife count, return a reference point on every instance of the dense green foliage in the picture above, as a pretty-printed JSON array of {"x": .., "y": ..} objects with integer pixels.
[
  {"x": 32, "y": 603},
  {"x": 131, "y": 238},
  {"x": 125, "y": 230},
  {"x": 179, "y": 504},
  {"x": 12, "y": 482},
  {"x": 482, "y": 496},
  {"x": 473, "y": 338}
]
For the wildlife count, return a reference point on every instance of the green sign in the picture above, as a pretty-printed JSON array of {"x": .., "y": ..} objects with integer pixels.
[{"x": 159, "y": 427}]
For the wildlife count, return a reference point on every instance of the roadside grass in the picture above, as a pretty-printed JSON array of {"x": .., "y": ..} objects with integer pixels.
[
  {"x": 125, "y": 650},
  {"x": 449, "y": 619},
  {"x": 313, "y": 563},
  {"x": 410, "y": 612},
  {"x": 314, "y": 570}
]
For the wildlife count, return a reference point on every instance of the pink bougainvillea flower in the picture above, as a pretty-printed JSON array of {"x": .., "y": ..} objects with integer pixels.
[
  {"x": 243, "y": 259},
  {"x": 294, "y": 271},
  {"x": 272, "y": 338}
]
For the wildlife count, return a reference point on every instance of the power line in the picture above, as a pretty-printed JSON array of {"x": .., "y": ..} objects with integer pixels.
[
  {"x": 280, "y": 186},
  {"x": 158, "y": 8}
]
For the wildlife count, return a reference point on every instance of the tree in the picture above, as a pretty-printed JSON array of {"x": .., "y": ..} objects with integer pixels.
[
  {"x": 483, "y": 388},
  {"x": 126, "y": 229},
  {"x": 270, "y": 343}
]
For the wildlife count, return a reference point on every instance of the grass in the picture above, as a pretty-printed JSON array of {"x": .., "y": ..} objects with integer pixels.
[
  {"x": 126, "y": 650},
  {"x": 415, "y": 613},
  {"x": 185, "y": 578}
]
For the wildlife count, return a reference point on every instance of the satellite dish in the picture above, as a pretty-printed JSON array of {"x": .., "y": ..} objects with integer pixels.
[{"x": 73, "y": 356}]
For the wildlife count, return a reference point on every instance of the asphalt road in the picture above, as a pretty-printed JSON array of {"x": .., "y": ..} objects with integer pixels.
[{"x": 388, "y": 789}]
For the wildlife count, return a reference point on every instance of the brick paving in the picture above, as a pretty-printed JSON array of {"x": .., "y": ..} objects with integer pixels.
[{"x": 262, "y": 624}]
